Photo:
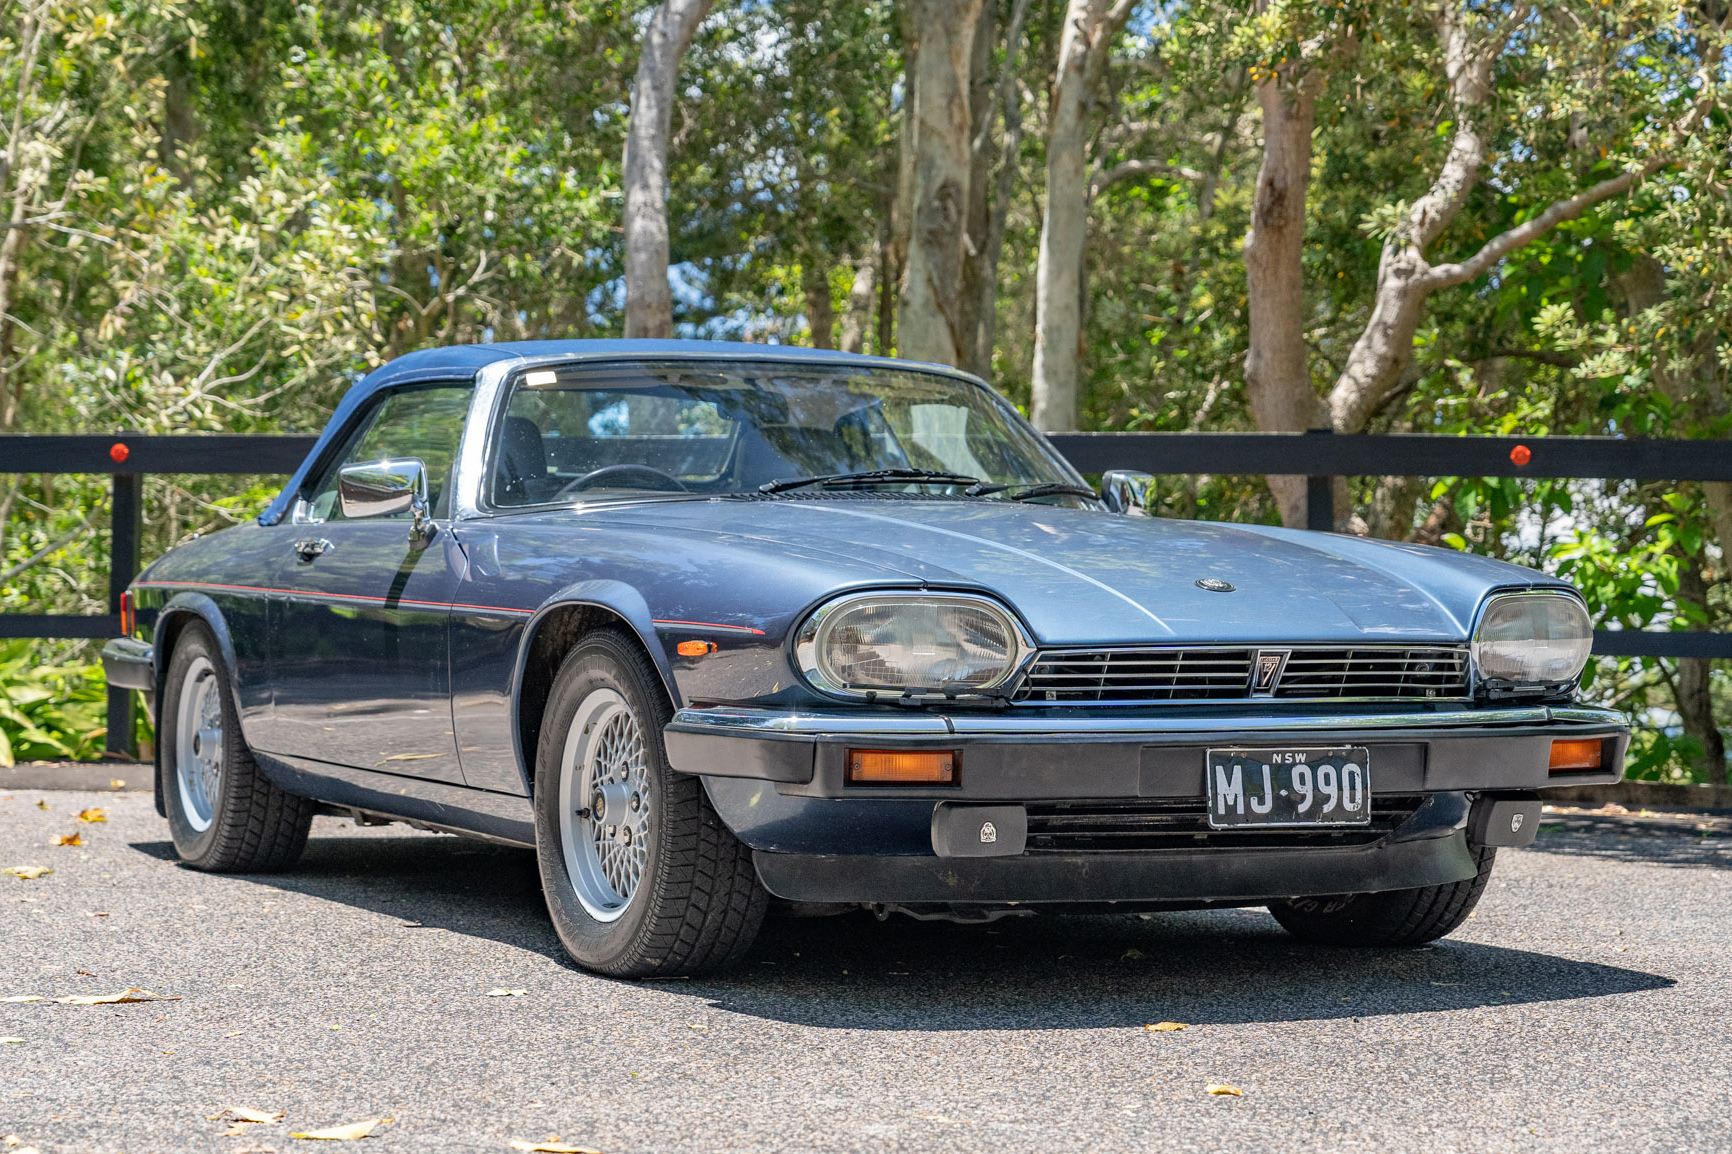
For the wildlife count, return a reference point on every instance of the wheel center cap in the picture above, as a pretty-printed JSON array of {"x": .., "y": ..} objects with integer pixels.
[{"x": 612, "y": 803}]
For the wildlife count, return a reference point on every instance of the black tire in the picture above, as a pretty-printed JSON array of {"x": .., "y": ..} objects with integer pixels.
[
  {"x": 252, "y": 826},
  {"x": 1392, "y": 918},
  {"x": 697, "y": 905}
]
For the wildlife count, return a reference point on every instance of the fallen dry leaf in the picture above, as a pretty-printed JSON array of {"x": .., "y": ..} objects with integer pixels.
[
  {"x": 236, "y": 1034},
  {"x": 25, "y": 998},
  {"x": 66, "y": 839},
  {"x": 501, "y": 992},
  {"x": 27, "y": 873},
  {"x": 344, "y": 1133},
  {"x": 92, "y": 814},
  {"x": 11, "y": 1139},
  {"x": 1131, "y": 955},
  {"x": 1165, "y": 1027},
  {"x": 551, "y": 1145},
  {"x": 1223, "y": 1088},
  {"x": 10, "y": 1041},
  {"x": 246, "y": 1114},
  {"x": 132, "y": 995},
  {"x": 40, "y": 804},
  {"x": 117, "y": 783}
]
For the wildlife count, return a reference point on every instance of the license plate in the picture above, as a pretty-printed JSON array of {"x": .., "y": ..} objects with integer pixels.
[{"x": 1289, "y": 786}]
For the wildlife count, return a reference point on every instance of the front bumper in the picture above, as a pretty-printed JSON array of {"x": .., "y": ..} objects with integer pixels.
[{"x": 777, "y": 780}]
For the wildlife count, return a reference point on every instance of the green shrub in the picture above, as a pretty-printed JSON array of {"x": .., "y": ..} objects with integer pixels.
[{"x": 49, "y": 712}]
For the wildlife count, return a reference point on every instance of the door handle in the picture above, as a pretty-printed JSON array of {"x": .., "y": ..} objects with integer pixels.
[{"x": 308, "y": 548}]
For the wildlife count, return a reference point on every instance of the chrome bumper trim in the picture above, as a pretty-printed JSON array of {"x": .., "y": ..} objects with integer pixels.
[{"x": 781, "y": 723}]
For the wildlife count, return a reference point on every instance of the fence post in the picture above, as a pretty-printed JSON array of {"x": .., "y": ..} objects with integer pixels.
[
  {"x": 1320, "y": 494},
  {"x": 126, "y": 528}
]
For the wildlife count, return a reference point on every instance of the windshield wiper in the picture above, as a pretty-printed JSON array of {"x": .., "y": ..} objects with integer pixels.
[
  {"x": 869, "y": 477},
  {"x": 1028, "y": 493}
]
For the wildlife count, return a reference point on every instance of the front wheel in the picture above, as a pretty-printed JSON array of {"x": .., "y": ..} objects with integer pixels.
[
  {"x": 1392, "y": 918},
  {"x": 223, "y": 813},
  {"x": 641, "y": 877}
]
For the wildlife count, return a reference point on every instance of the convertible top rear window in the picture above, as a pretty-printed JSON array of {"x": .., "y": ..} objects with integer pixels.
[{"x": 627, "y": 429}]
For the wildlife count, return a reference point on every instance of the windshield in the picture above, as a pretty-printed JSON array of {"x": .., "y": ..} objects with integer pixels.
[{"x": 724, "y": 427}]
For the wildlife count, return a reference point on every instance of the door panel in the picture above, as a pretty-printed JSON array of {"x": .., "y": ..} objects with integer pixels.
[
  {"x": 359, "y": 650},
  {"x": 359, "y": 630}
]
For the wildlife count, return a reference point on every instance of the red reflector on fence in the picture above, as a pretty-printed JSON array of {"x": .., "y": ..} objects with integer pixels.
[
  {"x": 118, "y": 452},
  {"x": 1521, "y": 455}
]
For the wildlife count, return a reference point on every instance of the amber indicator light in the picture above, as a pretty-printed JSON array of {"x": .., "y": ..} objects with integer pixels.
[
  {"x": 1576, "y": 754},
  {"x": 902, "y": 767},
  {"x": 127, "y": 620},
  {"x": 695, "y": 648}
]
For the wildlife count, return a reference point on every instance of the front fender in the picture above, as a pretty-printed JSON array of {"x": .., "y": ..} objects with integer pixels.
[{"x": 613, "y": 597}]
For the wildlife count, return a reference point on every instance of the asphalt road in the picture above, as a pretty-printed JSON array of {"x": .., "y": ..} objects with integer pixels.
[{"x": 1587, "y": 1006}]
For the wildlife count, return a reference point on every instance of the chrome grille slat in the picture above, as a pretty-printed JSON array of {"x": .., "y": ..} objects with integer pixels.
[{"x": 1223, "y": 673}]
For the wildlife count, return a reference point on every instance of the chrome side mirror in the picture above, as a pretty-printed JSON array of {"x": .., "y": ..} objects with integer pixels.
[
  {"x": 387, "y": 489},
  {"x": 1127, "y": 491}
]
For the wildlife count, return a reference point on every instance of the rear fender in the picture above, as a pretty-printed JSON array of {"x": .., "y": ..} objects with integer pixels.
[{"x": 181, "y": 610}]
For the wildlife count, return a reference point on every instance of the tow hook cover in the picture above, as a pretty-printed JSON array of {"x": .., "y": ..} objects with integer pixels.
[
  {"x": 1504, "y": 821},
  {"x": 978, "y": 830}
]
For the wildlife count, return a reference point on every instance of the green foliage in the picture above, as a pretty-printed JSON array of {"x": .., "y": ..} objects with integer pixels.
[{"x": 49, "y": 712}]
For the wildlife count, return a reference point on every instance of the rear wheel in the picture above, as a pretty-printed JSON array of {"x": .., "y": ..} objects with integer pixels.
[
  {"x": 1392, "y": 918},
  {"x": 642, "y": 879},
  {"x": 223, "y": 813}
]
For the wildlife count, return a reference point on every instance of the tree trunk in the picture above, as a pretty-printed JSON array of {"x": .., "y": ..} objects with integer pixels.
[
  {"x": 1277, "y": 372},
  {"x": 931, "y": 321},
  {"x": 1695, "y": 701},
  {"x": 179, "y": 124},
  {"x": 1084, "y": 42},
  {"x": 858, "y": 315},
  {"x": 648, "y": 302},
  {"x": 976, "y": 291},
  {"x": 820, "y": 309},
  {"x": 22, "y": 168}
]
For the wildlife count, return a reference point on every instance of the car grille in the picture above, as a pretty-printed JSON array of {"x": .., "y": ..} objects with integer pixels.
[
  {"x": 1183, "y": 824},
  {"x": 1312, "y": 673}
]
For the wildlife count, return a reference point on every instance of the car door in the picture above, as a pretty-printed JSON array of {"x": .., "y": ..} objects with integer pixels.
[{"x": 359, "y": 620}]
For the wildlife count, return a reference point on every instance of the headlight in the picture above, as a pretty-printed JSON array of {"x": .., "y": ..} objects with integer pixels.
[
  {"x": 892, "y": 642},
  {"x": 1532, "y": 638}
]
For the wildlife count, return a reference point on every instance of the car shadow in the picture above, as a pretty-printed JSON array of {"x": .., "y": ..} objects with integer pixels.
[
  {"x": 427, "y": 880},
  {"x": 1089, "y": 972},
  {"x": 1018, "y": 973},
  {"x": 1680, "y": 844}
]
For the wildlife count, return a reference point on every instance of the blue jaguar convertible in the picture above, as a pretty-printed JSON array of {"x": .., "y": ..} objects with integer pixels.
[{"x": 712, "y": 626}]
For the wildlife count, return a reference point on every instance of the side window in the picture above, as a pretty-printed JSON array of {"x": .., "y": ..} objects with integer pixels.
[{"x": 424, "y": 422}]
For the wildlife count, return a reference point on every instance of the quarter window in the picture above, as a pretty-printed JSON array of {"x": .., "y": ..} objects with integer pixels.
[{"x": 426, "y": 423}]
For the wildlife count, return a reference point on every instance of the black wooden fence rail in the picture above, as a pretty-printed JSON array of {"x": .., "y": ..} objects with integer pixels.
[{"x": 1320, "y": 456}]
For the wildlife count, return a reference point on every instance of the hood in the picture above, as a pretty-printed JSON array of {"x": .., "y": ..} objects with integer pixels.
[{"x": 1084, "y": 577}]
